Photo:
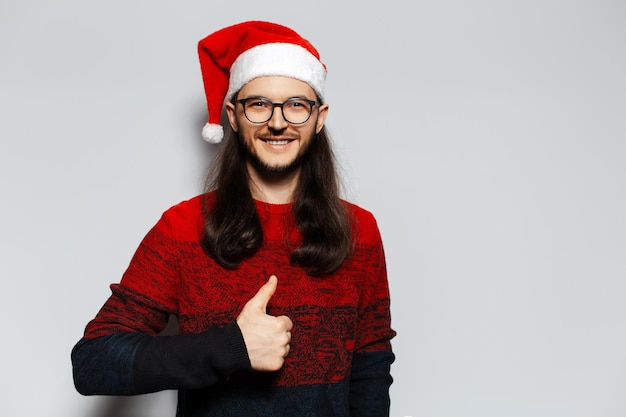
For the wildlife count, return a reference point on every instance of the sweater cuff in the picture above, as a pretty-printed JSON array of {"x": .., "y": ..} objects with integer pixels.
[{"x": 238, "y": 345}]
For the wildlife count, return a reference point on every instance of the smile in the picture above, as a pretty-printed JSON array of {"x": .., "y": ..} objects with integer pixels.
[{"x": 276, "y": 142}]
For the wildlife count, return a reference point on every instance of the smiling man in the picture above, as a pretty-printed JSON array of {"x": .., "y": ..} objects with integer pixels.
[
  {"x": 279, "y": 286},
  {"x": 276, "y": 135}
]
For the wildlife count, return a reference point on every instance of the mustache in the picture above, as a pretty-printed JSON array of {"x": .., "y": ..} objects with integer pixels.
[{"x": 271, "y": 136}]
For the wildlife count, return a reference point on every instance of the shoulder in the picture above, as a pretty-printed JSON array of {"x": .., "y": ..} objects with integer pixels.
[
  {"x": 185, "y": 220},
  {"x": 365, "y": 224},
  {"x": 184, "y": 209}
]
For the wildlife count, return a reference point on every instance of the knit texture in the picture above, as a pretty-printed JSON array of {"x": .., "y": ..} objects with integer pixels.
[{"x": 340, "y": 353}]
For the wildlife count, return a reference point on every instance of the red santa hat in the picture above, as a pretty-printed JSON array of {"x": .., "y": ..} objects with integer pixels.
[{"x": 235, "y": 55}]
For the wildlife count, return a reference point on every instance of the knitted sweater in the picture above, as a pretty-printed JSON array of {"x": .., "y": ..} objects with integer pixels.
[{"x": 340, "y": 356}]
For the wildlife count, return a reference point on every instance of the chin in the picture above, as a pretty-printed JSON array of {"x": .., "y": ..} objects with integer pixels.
[
  {"x": 278, "y": 168},
  {"x": 271, "y": 166}
]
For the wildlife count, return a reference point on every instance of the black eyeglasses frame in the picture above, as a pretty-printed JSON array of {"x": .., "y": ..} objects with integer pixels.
[{"x": 243, "y": 101}]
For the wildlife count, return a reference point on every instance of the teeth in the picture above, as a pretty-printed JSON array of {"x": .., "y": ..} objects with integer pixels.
[{"x": 277, "y": 142}]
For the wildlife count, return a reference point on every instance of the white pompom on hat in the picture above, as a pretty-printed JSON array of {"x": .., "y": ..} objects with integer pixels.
[{"x": 237, "y": 54}]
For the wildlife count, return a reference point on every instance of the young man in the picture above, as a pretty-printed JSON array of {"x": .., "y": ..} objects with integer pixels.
[{"x": 278, "y": 285}]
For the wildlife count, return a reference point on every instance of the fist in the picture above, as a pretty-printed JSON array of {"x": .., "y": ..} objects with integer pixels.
[{"x": 267, "y": 337}]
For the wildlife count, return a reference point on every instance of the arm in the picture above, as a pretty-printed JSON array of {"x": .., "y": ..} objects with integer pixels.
[
  {"x": 129, "y": 363},
  {"x": 121, "y": 352},
  {"x": 370, "y": 377},
  {"x": 137, "y": 363},
  {"x": 369, "y": 384}
]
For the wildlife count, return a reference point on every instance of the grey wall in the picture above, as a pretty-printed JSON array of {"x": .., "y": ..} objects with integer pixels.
[{"x": 487, "y": 137}]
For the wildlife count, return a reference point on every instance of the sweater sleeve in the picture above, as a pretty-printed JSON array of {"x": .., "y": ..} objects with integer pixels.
[
  {"x": 122, "y": 353},
  {"x": 370, "y": 376},
  {"x": 137, "y": 363}
]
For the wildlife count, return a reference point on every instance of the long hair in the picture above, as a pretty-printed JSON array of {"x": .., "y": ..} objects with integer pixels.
[{"x": 232, "y": 227}]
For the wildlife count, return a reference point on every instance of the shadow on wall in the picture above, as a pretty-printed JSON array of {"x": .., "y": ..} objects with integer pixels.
[
  {"x": 207, "y": 151},
  {"x": 162, "y": 404}
]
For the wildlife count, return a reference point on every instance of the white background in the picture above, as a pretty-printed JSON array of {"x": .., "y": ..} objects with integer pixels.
[{"x": 488, "y": 138}]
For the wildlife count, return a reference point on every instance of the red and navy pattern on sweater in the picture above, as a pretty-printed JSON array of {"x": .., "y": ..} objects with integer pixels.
[{"x": 340, "y": 353}]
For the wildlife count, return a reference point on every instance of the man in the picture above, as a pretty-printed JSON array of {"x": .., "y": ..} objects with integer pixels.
[{"x": 278, "y": 285}]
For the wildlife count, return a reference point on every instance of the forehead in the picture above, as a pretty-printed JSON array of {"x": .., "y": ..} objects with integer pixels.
[{"x": 277, "y": 88}]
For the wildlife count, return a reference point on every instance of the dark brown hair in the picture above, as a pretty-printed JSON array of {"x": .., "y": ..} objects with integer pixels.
[{"x": 232, "y": 228}]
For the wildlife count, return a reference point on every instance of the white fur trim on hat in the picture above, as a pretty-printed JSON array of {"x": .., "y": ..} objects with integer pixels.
[
  {"x": 212, "y": 133},
  {"x": 277, "y": 59}
]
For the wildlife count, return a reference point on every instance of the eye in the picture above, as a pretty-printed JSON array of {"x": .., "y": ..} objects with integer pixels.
[
  {"x": 297, "y": 104},
  {"x": 257, "y": 103}
]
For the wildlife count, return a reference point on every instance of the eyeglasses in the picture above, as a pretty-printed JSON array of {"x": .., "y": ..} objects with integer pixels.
[{"x": 260, "y": 109}]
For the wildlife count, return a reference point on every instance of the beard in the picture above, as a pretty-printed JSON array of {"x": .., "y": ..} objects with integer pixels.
[{"x": 262, "y": 166}]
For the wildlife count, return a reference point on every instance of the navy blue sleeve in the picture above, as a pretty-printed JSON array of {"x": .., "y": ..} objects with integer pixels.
[
  {"x": 136, "y": 363},
  {"x": 370, "y": 380},
  {"x": 104, "y": 365}
]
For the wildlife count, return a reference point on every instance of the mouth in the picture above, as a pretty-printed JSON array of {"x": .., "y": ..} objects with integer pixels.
[{"x": 277, "y": 141}]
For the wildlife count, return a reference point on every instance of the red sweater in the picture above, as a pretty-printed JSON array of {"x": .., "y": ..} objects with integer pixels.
[{"x": 340, "y": 353}]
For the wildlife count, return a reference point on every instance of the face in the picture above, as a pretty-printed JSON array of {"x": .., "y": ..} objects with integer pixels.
[{"x": 276, "y": 145}]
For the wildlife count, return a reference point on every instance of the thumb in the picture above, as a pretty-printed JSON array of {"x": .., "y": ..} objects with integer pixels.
[{"x": 265, "y": 293}]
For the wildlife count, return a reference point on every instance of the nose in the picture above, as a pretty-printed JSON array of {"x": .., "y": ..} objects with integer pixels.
[{"x": 277, "y": 121}]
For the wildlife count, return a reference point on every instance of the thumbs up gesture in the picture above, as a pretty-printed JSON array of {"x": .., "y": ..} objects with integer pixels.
[{"x": 267, "y": 337}]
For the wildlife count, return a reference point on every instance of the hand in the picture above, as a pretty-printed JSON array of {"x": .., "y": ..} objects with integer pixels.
[{"x": 267, "y": 337}]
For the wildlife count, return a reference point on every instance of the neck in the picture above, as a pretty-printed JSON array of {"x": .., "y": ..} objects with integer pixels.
[{"x": 273, "y": 187}]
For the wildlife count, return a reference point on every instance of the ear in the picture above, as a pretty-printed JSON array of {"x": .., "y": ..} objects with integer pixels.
[
  {"x": 321, "y": 117},
  {"x": 232, "y": 119}
]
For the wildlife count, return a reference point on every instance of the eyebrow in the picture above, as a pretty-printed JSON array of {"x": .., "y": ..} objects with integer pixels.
[{"x": 288, "y": 98}]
